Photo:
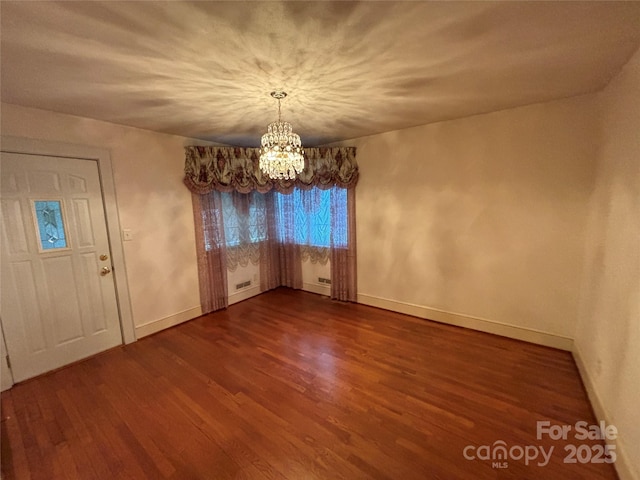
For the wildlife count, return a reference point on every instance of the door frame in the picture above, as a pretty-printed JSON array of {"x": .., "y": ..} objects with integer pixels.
[
  {"x": 6, "y": 375},
  {"x": 29, "y": 146}
]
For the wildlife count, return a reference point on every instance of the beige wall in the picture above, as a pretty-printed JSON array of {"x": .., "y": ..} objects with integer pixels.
[
  {"x": 152, "y": 202},
  {"x": 607, "y": 338},
  {"x": 310, "y": 273},
  {"x": 482, "y": 217}
]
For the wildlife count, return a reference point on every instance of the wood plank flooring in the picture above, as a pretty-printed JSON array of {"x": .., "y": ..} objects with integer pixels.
[{"x": 291, "y": 385}]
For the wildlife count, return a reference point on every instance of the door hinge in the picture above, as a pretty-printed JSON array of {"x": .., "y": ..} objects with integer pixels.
[{"x": 8, "y": 362}]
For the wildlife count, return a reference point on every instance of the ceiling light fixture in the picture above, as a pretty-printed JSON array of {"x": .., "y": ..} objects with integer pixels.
[{"x": 281, "y": 155}]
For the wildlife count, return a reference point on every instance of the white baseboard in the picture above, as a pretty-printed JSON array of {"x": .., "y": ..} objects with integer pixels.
[
  {"x": 170, "y": 321},
  {"x": 475, "y": 323},
  {"x": 316, "y": 288},
  {"x": 623, "y": 465},
  {"x": 244, "y": 294}
]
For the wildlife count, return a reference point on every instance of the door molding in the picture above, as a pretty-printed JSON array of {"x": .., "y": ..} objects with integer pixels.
[
  {"x": 6, "y": 380},
  {"x": 29, "y": 146}
]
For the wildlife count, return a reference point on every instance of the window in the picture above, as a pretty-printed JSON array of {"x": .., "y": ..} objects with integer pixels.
[
  {"x": 244, "y": 217},
  {"x": 51, "y": 229},
  {"x": 303, "y": 216},
  {"x": 312, "y": 216}
]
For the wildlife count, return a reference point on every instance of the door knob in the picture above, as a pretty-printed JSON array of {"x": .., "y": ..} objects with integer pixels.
[
  {"x": 104, "y": 257},
  {"x": 105, "y": 271}
]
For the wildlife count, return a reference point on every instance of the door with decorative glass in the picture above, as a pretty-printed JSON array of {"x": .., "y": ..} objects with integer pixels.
[{"x": 58, "y": 301}]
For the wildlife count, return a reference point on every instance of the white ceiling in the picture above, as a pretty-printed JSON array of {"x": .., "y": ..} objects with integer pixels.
[{"x": 205, "y": 69}]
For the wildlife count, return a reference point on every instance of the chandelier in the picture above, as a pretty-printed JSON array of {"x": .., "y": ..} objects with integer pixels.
[{"x": 281, "y": 155}]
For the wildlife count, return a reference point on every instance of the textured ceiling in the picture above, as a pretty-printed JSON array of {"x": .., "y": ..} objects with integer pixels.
[{"x": 205, "y": 69}]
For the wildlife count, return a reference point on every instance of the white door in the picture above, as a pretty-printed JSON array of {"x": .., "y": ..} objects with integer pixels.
[{"x": 58, "y": 301}]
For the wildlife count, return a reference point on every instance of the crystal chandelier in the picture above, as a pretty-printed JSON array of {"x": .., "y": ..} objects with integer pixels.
[{"x": 281, "y": 155}]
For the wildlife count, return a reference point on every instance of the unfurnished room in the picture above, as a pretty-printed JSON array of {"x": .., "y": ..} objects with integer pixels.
[{"x": 320, "y": 240}]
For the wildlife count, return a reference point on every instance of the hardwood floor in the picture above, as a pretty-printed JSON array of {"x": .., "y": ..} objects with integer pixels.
[{"x": 291, "y": 385}]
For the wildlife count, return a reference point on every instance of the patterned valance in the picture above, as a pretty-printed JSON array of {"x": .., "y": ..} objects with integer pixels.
[{"x": 234, "y": 168}]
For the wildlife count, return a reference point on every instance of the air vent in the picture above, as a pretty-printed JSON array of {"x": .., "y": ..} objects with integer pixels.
[
  {"x": 243, "y": 285},
  {"x": 324, "y": 280}
]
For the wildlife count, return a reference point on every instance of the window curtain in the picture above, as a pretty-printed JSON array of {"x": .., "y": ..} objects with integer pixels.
[
  {"x": 231, "y": 168},
  {"x": 313, "y": 224},
  {"x": 289, "y": 260},
  {"x": 270, "y": 274},
  {"x": 210, "y": 251},
  {"x": 211, "y": 170},
  {"x": 343, "y": 254},
  {"x": 245, "y": 222},
  {"x": 280, "y": 262}
]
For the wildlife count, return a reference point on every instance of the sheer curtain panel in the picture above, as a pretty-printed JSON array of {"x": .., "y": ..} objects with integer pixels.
[
  {"x": 210, "y": 251},
  {"x": 269, "y": 253},
  {"x": 344, "y": 279},
  {"x": 244, "y": 221},
  {"x": 289, "y": 260}
]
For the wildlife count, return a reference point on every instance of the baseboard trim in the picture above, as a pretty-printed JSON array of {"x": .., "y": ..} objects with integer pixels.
[
  {"x": 475, "y": 323},
  {"x": 315, "y": 288},
  {"x": 623, "y": 465},
  {"x": 155, "y": 326},
  {"x": 450, "y": 318},
  {"x": 244, "y": 294}
]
